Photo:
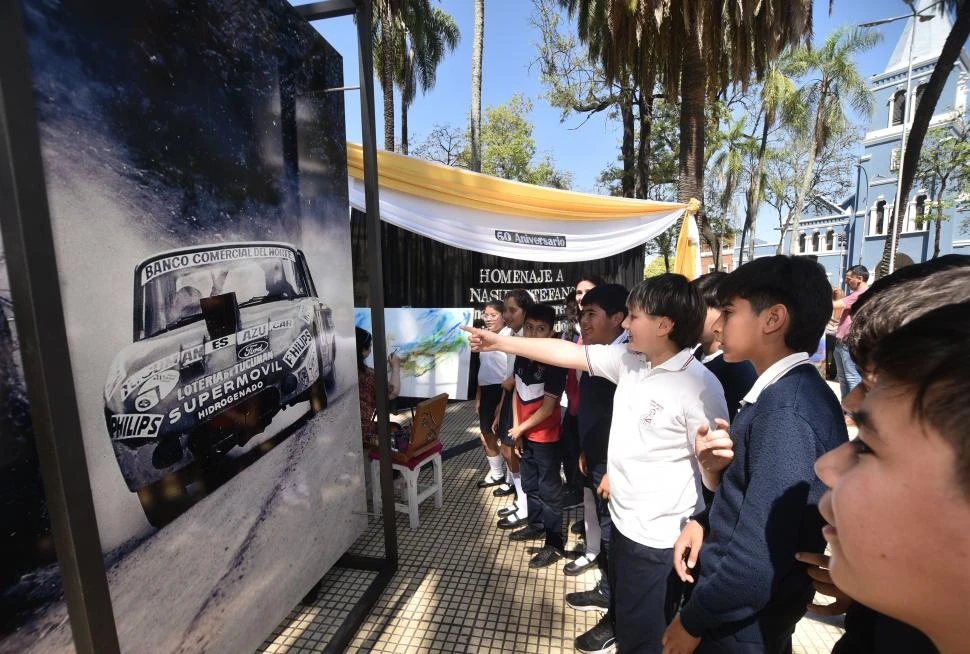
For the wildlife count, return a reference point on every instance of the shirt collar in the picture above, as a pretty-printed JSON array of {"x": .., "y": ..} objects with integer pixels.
[
  {"x": 622, "y": 338},
  {"x": 774, "y": 372},
  {"x": 710, "y": 357},
  {"x": 677, "y": 362}
]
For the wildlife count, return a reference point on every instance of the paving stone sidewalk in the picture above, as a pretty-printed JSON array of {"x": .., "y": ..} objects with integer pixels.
[{"x": 462, "y": 586}]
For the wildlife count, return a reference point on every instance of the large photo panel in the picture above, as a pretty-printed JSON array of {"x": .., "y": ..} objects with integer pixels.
[{"x": 196, "y": 170}]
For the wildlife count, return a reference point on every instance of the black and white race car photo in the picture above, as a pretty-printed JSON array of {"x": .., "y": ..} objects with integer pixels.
[{"x": 227, "y": 339}]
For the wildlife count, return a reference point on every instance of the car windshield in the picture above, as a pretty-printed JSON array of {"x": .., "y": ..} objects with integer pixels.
[{"x": 172, "y": 291}]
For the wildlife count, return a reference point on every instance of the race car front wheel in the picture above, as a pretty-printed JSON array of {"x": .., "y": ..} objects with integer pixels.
[{"x": 165, "y": 500}]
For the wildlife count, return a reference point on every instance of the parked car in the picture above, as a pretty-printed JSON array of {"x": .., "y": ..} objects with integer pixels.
[{"x": 225, "y": 337}]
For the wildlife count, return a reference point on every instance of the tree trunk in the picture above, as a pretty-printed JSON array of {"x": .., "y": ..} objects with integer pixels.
[
  {"x": 693, "y": 89},
  {"x": 939, "y": 218},
  {"x": 387, "y": 76},
  {"x": 628, "y": 181},
  {"x": 796, "y": 216},
  {"x": 476, "y": 113},
  {"x": 645, "y": 106},
  {"x": 921, "y": 119},
  {"x": 754, "y": 195},
  {"x": 404, "y": 128}
]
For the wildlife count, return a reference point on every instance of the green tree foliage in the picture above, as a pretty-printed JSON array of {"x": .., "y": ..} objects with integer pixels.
[
  {"x": 509, "y": 151},
  {"x": 832, "y": 81},
  {"x": 944, "y": 165}
]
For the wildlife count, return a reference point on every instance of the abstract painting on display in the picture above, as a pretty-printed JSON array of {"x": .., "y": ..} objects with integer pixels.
[{"x": 434, "y": 351}]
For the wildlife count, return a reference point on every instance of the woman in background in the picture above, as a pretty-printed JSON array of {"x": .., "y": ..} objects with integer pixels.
[{"x": 366, "y": 388}]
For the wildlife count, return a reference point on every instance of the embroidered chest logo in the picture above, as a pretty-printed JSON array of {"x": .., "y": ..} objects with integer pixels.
[
  {"x": 648, "y": 417},
  {"x": 539, "y": 373}
]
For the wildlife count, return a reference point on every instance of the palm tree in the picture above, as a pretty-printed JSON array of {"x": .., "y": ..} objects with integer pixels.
[
  {"x": 777, "y": 92},
  {"x": 955, "y": 40},
  {"x": 387, "y": 16},
  {"x": 429, "y": 34},
  {"x": 834, "y": 79},
  {"x": 478, "y": 41},
  {"x": 733, "y": 148},
  {"x": 694, "y": 48}
]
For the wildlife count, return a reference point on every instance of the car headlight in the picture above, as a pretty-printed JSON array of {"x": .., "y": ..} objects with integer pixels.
[{"x": 116, "y": 376}]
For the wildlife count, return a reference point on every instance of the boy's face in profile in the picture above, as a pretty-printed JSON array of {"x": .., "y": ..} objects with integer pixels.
[
  {"x": 596, "y": 326},
  {"x": 645, "y": 332},
  {"x": 707, "y": 335},
  {"x": 537, "y": 329},
  {"x": 736, "y": 328},
  {"x": 895, "y": 508}
]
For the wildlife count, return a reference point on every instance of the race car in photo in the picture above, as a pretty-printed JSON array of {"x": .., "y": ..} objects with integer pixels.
[{"x": 225, "y": 338}]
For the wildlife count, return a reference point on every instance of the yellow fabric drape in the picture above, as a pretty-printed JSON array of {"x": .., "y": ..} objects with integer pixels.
[
  {"x": 687, "y": 260},
  {"x": 471, "y": 190}
]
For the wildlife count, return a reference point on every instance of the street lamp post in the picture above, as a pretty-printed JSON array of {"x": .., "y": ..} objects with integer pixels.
[{"x": 850, "y": 245}]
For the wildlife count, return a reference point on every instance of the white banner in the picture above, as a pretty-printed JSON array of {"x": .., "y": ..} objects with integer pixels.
[{"x": 516, "y": 237}]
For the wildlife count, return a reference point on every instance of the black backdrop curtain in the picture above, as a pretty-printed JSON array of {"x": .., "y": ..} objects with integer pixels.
[{"x": 421, "y": 272}]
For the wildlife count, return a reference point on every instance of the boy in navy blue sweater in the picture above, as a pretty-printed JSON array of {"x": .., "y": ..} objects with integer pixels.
[{"x": 751, "y": 592}]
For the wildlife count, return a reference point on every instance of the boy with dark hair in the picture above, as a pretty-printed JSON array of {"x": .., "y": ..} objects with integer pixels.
[
  {"x": 752, "y": 592},
  {"x": 891, "y": 302},
  {"x": 653, "y": 481},
  {"x": 736, "y": 377},
  {"x": 535, "y": 434},
  {"x": 899, "y": 504},
  {"x": 601, "y": 319}
]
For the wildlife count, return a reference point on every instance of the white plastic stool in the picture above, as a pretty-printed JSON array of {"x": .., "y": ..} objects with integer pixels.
[{"x": 410, "y": 471}]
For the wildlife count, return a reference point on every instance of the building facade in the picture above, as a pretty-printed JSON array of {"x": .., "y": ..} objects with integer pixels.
[{"x": 855, "y": 231}]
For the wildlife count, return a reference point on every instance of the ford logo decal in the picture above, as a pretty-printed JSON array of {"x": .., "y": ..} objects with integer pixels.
[{"x": 250, "y": 350}]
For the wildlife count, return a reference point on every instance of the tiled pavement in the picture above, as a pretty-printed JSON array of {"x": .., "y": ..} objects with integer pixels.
[{"x": 461, "y": 585}]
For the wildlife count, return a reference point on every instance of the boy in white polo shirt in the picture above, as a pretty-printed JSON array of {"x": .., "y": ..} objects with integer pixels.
[{"x": 663, "y": 395}]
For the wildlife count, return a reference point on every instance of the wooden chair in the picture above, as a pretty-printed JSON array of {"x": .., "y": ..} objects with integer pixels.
[{"x": 423, "y": 448}]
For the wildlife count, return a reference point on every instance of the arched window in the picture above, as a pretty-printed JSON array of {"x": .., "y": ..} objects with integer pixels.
[
  {"x": 899, "y": 107},
  {"x": 919, "y": 96},
  {"x": 816, "y": 238},
  {"x": 879, "y": 221},
  {"x": 801, "y": 242},
  {"x": 830, "y": 239},
  {"x": 920, "y": 211}
]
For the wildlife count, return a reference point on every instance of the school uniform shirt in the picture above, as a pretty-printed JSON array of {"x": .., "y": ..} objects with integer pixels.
[
  {"x": 655, "y": 481},
  {"x": 493, "y": 366},
  {"x": 533, "y": 381},
  {"x": 765, "y": 508},
  {"x": 596, "y": 413}
]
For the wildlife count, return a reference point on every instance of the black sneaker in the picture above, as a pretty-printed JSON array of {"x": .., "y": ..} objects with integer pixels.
[
  {"x": 504, "y": 490},
  {"x": 506, "y": 510},
  {"x": 511, "y": 522},
  {"x": 587, "y": 600},
  {"x": 545, "y": 557},
  {"x": 578, "y": 528},
  {"x": 531, "y": 532},
  {"x": 598, "y": 640}
]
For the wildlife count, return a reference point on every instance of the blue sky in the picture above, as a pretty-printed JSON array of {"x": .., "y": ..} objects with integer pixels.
[{"x": 581, "y": 148}]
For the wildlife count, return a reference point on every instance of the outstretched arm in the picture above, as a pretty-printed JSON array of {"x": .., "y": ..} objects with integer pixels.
[{"x": 553, "y": 351}]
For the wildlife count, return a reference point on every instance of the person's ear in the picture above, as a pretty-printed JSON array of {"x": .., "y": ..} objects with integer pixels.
[
  {"x": 664, "y": 326},
  {"x": 617, "y": 319},
  {"x": 775, "y": 318}
]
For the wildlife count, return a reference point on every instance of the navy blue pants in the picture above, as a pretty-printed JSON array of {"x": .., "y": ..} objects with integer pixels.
[
  {"x": 596, "y": 474},
  {"x": 569, "y": 446},
  {"x": 646, "y": 594},
  {"x": 539, "y": 468}
]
